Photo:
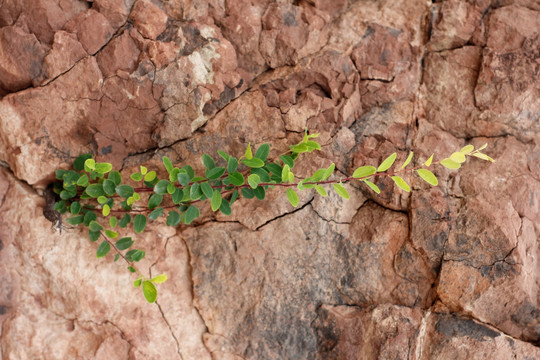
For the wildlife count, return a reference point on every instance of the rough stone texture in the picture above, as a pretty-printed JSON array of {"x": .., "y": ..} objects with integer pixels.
[{"x": 446, "y": 272}]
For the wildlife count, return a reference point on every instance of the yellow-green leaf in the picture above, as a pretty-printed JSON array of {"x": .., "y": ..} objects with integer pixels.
[
  {"x": 161, "y": 278},
  {"x": 106, "y": 210},
  {"x": 483, "y": 157},
  {"x": 216, "y": 200},
  {"x": 466, "y": 149},
  {"x": 341, "y": 191},
  {"x": 428, "y": 176},
  {"x": 450, "y": 164},
  {"x": 149, "y": 291},
  {"x": 364, "y": 171},
  {"x": 389, "y": 161},
  {"x": 409, "y": 158},
  {"x": 320, "y": 190},
  {"x": 248, "y": 154},
  {"x": 428, "y": 161},
  {"x": 458, "y": 157},
  {"x": 293, "y": 197},
  {"x": 482, "y": 147},
  {"x": 373, "y": 186},
  {"x": 401, "y": 183},
  {"x": 143, "y": 170}
]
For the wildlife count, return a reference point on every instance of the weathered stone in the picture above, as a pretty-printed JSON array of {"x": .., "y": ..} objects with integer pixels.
[
  {"x": 66, "y": 51},
  {"x": 149, "y": 19},
  {"x": 120, "y": 54},
  {"x": 21, "y": 58},
  {"x": 116, "y": 11},
  {"x": 92, "y": 29}
]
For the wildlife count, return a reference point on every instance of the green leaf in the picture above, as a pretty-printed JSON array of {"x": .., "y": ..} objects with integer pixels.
[
  {"x": 428, "y": 161},
  {"x": 168, "y": 164},
  {"x": 126, "y": 219},
  {"x": 89, "y": 217},
  {"x": 103, "y": 249},
  {"x": 155, "y": 214},
  {"x": 149, "y": 291},
  {"x": 321, "y": 190},
  {"x": 189, "y": 170},
  {"x": 285, "y": 173},
  {"x": 115, "y": 177},
  {"x": 341, "y": 191},
  {"x": 103, "y": 168},
  {"x": 75, "y": 208},
  {"x": 111, "y": 234},
  {"x": 253, "y": 162},
  {"x": 116, "y": 257},
  {"x": 329, "y": 171},
  {"x": 409, "y": 158},
  {"x": 428, "y": 176},
  {"x": 89, "y": 165},
  {"x": 248, "y": 193},
  {"x": 259, "y": 193},
  {"x": 215, "y": 173},
  {"x": 135, "y": 255},
  {"x": 236, "y": 178},
  {"x": 95, "y": 190},
  {"x": 389, "y": 161},
  {"x": 93, "y": 235},
  {"x": 131, "y": 269},
  {"x": 173, "y": 219},
  {"x": 225, "y": 207},
  {"x": 78, "y": 164},
  {"x": 254, "y": 180},
  {"x": 195, "y": 191},
  {"x": 160, "y": 279},
  {"x": 224, "y": 155},
  {"x": 466, "y": 149},
  {"x": 234, "y": 196},
  {"x": 364, "y": 171},
  {"x": 60, "y": 173},
  {"x": 177, "y": 196},
  {"x": 65, "y": 195},
  {"x": 75, "y": 220},
  {"x": 113, "y": 221},
  {"x": 171, "y": 189},
  {"x": 109, "y": 187},
  {"x": 161, "y": 187},
  {"x": 60, "y": 206},
  {"x": 458, "y": 157},
  {"x": 232, "y": 164},
  {"x": 191, "y": 214},
  {"x": 151, "y": 175},
  {"x": 154, "y": 201},
  {"x": 83, "y": 180},
  {"x": 102, "y": 200},
  {"x": 173, "y": 175},
  {"x": 124, "y": 243},
  {"x": 450, "y": 164},
  {"x": 287, "y": 160},
  {"x": 106, "y": 210},
  {"x": 137, "y": 282},
  {"x": 139, "y": 223},
  {"x": 124, "y": 191},
  {"x": 274, "y": 168},
  {"x": 208, "y": 162},
  {"x": 300, "y": 148},
  {"x": 248, "y": 155},
  {"x": 372, "y": 186},
  {"x": 262, "y": 152},
  {"x": 292, "y": 196},
  {"x": 183, "y": 179},
  {"x": 401, "y": 183},
  {"x": 216, "y": 200},
  {"x": 207, "y": 189},
  {"x": 483, "y": 156},
  {"x": 95, "y": 226}
]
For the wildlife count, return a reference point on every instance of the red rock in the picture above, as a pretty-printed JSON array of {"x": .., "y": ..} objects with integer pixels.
[
  {"x": 149, "y": 19},
  {"x": 120, "y": 54},
  {"x": 92, "y": 29},
  {"x": 21, "y": 58},
  {"x": 116, "y": 11},
  {"x": 66, "y": 51}
]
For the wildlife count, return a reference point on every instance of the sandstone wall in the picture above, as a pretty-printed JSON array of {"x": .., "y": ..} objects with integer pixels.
[{"x": 450, "y": 272}]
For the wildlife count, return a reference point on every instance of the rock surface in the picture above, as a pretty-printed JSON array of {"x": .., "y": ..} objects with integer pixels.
[{"x": 442, "y": 272}]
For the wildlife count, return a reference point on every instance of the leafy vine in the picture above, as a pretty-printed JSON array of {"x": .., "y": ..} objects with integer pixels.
[{"x": 93, "y": 192}]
